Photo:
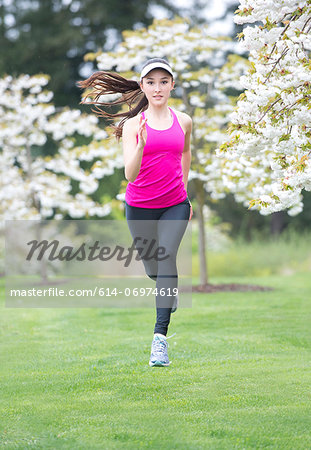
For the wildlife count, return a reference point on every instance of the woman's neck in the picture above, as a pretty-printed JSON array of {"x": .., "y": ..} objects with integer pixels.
[{"x": 158, "y": 112}]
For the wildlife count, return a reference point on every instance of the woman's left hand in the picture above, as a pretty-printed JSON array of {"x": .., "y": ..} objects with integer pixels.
[{"x": 191, "y": 212}]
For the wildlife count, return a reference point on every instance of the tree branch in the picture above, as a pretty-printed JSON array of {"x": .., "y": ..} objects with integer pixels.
[{"x": 276, "y": 101}]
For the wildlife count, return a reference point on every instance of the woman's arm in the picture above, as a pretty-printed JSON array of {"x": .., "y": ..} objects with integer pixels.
[
  {"x": 133, "y": 150},
  {"x": 186, "y": 156}
]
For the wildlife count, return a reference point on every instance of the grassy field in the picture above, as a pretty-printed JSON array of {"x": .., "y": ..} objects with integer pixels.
[{"x": 240, "y": 375}]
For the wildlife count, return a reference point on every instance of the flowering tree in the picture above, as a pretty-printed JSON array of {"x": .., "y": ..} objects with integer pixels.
[
  {"x": 268, "y": 155},
  {"x": 42, "y": 150},
  {"x": 199, "y": 87}
]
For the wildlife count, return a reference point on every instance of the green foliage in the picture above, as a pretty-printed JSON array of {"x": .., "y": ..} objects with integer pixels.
[
  {"x": 244, "y": 11},
  {"x": 53, "y": 36}
]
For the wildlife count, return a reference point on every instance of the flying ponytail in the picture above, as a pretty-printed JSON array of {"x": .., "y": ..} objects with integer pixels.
[{"x": 111, "y": 83}]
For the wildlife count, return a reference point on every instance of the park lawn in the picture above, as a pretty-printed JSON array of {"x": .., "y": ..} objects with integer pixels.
[{"x": 240, "y": 374}]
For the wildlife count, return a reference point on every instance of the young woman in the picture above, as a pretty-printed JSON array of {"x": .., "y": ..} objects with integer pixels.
[{"x": 157, "y": 157}]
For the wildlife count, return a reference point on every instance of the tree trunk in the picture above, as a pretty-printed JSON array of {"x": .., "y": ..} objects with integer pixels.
[
  {"x": 2, "y": 23},
  {"x": 43, "y": 265},
  {"x": 199, "y": 195},
  {"x": 37, "y": 205},
  {"x": 277, "y": 223}
]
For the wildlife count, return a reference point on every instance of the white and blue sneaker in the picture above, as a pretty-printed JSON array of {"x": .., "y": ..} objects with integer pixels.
[{"x": 159, "y": 356}]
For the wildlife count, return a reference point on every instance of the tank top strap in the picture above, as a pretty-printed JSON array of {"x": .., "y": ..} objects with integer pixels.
[
  {"x": 173, "y": 114},
  {"x": 143, "y": 115},
  {"x": 175, "y": 119},
  {"x": 176, "y": 125}
]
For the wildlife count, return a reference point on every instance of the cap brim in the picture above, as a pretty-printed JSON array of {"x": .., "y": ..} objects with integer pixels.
[{"x": 156, "y": 65}]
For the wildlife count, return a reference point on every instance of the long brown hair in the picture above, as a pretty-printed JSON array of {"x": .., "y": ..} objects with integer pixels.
[{"x": 112, "y": 83}]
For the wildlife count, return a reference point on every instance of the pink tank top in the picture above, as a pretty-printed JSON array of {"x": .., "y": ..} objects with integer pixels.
[{"x": 159, "y": 182}]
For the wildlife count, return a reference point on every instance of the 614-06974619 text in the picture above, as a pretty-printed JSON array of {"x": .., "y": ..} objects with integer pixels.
[
  {"x": 93, "y": 263},
  {"x": 100, "y": 291}
]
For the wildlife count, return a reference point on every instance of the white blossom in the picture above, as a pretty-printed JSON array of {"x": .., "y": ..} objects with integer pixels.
[
  {"x": 272, "y": 122},
  {"x": 34, "y": 187}
]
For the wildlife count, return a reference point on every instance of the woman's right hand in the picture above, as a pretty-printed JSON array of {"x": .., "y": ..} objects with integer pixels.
[{"x": 142, "y": 132}]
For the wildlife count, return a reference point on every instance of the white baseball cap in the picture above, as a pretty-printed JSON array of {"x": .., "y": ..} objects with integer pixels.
[{"x": 156, "y": 63}]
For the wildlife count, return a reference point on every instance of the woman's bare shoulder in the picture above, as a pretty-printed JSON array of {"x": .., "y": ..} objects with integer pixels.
[
  {"x": 132, "y": 123},
  {"x": 184, "y": 119}
]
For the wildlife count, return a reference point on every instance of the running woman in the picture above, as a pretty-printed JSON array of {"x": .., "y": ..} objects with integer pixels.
[{"x": 157, "y": 157}]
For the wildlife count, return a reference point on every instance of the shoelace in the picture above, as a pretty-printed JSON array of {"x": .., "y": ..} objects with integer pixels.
[
  {"x": 171, "y": 336},
  {"x": 160, "y": 345}
]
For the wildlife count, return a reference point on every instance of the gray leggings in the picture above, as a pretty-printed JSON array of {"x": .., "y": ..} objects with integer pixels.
[{"x": 167, "y": 235}]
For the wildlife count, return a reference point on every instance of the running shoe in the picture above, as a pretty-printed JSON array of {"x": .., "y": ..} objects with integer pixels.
[{"x": 159, "y": 356}]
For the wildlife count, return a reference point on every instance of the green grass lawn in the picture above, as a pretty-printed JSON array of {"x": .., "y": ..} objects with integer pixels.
[{"x": 240, "y": 375}]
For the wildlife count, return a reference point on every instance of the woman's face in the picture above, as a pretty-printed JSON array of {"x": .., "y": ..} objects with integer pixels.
[{"x": 157, "y": 86}]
